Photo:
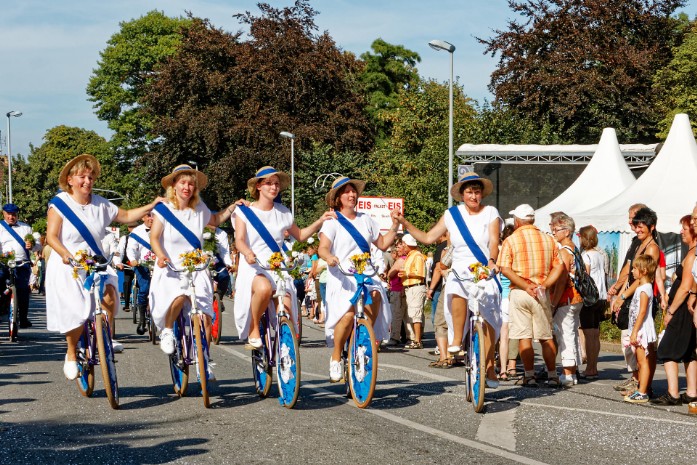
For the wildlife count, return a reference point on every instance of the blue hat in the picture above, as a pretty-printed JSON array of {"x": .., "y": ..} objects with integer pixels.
[{"x": 10, "y": 208}]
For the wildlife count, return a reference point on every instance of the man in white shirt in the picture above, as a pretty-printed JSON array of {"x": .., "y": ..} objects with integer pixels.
[
  {"x": 222, "y": 265},
  {"x": 12, "y": 239},
  {"x": 136, "y": 250}
]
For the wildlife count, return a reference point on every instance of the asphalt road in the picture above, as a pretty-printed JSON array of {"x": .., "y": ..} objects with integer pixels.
[{"x": 418, "y": 415}]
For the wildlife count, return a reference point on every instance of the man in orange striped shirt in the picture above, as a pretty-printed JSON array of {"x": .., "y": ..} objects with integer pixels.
[{"x": 530, "y": 259}]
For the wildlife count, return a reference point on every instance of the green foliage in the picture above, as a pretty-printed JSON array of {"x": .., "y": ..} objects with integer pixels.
[
  {"x": 127, "y": 64},
  {"x": 609, "y": 331},
  {"x": 578, "y": 66},
  {"x": 677, "y": 83},
  {"x": 36, "y": 178},
  {"x": 388, "y": 69}
]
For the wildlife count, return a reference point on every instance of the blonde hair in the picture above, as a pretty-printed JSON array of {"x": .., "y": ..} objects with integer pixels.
[
  {"x": 172, "y": 195},
  {"x": 81, "y": 166},
  {"x": 646, "y": 264}
]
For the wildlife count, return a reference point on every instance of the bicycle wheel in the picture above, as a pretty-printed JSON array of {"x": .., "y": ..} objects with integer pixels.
[
  {"x": 13, "y": 315},
  {"x": 177, "y": 365},
  {"x": 288, "y": 364},
  {"x": 362, "y": 363},
  {"x": 260, "y": 363},
  {"x": 134, "y": 300},
  {"x": 106, "y": 360},
  {"x": 152, "y": 329},
  {"x": 477, "y": 367},
  {"x": 201, "y": 358},
  {"x": 300, "y": 324},
  {"x": 85, "y": 378},
  {"x": 217, "y": 327}
]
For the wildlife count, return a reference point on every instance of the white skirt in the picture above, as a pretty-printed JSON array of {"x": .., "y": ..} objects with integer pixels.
[
  {"x": 489, "y": 303},
  {"x": 165, "y": 286}
]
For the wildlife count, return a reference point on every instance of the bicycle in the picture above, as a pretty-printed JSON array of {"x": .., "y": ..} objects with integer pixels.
[
  {"x": 475, "y": 353},
  {"x": 190, "y": 339},
  {"x": 281, "y": 351},
  {"x": 95, "y": 346},
  {"x": 149, "y": 321},
  {"x": 11, "y": 292},
  {"x": 360, "y": 357}
]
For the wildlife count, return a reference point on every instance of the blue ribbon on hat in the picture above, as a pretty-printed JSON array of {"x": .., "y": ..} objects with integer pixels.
[
  {"x": 362, "y": 281},
  {"x": 266, "y": 171}
]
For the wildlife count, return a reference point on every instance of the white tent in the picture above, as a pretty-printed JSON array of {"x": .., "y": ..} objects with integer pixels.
[
  {"x": 606, "y": 176},
  {"x": 666, "y": 186}
]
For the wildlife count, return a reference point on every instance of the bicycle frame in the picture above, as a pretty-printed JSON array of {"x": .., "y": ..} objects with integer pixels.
[{"x": 11, "y": 281}]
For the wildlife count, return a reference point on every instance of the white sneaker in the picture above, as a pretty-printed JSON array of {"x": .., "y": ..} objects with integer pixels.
[
  {"x": 335, "y": 371},
  {"x": 117, "y": 346},
  {"x": 70, "y": 369},
  {"x": 211, "y": 375},
  {"x": 566, "y": 380},
  {"x": 167, "y": 341}
]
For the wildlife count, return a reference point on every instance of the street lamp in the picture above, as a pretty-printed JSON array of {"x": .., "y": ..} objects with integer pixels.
[
  {"x": 290, "y": 136},
  {"x": 10, "y": 114},
  {"x": 450, "y": 48}
]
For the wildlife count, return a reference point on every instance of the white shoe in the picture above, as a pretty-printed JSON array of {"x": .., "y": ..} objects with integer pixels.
[
  {"x": 70, "y": 369},
  {"x": 117, "y": 346},
  {"x": 566, "y": 380},
  {"x": 454, "y": 349},
  {"x": 210, "y": 374},
  {"x": 167, "y": 341},
  {"x": 492, "y": 383},
  {"x": 254, "y": 342},
  {"x": 335, "y": 371}
]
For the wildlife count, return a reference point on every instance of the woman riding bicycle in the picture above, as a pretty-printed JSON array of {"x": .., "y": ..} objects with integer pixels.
[
  {"x": 338, "y": 242},
  {"x": 177, "y": 226},
  {"x": 264, "y": 218},
  {"x": 77, "y": 220},
  {"x": 482, "y": 226}
]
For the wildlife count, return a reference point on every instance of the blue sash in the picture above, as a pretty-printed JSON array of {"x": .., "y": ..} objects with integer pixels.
[
  {"x": 355, "y": 234},
  {"x": 467, "y": 236},
  {"x": 190, "y": 237},
  {"x": 261, "y": 229},
  {"x": 77, "y": 223},
  {"x": 141, "y": 241},
  {"x": 15, "y": 236}
]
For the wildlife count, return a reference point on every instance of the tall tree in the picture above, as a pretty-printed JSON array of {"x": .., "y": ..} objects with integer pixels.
[
  {"x": 578, "y": 66},
  {"x": 118, "y": 83},
  {"x": 222, "y": 101},
  {"x": 387, "y": 70},
  {"x": 37, "y": 176},
  {"x": 676, "y": 84}
]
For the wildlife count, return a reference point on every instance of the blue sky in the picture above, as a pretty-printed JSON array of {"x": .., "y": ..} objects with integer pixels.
[{"x": 49, "y": 48}]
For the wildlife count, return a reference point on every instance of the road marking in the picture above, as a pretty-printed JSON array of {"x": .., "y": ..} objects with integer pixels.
[
  {"x": 611, "y": 414},
  {"x": 421, "y": 373},
  {"x": 498, "y": 426},
  {"x": 408, "y": 423}
]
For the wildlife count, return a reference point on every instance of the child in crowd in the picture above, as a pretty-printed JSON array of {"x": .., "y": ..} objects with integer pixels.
[{"x": 643, "y": 336}]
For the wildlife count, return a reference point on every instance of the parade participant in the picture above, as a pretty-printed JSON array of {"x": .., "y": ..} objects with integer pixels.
[
  {"x": 350, "y": 235},
  {"x": 259, "y": 232},
  {"x": 138, "y": 250},
  {"x": 13, "y": 238},
  {"x": 77, "y": 221},
  {"x": 223, "y": 265},
  {"x": 128, "y": 273},
  {"x": 177, "y": 229},
  {"x": 474, "y": 234}
]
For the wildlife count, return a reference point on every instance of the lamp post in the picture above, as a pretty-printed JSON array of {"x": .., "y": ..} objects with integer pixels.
[
  {"x": 290, "y": 136},
  {"x": 10, "y": 114},
  {"x": 450, "y": 48}
]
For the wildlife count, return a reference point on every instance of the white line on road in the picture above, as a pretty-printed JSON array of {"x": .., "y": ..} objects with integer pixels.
[
  {"x": 498, "y": 426},
  {"x": 420, "y": 373},
  {"x": 600, "y": 412},
  {"x": 411, "y": 424}
]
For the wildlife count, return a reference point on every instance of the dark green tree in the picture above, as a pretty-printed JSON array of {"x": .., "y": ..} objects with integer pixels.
[{"x": 577, "y": 66}]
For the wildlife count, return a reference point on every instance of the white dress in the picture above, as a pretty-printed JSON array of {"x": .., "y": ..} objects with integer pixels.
[
  {"x": 341, "y": 288},
  {"x": 165, "y": 285},
  {"x": 277, "y": 220},
  {"x": 68, "y": 303},
  {"x": 490, "y": 303}
]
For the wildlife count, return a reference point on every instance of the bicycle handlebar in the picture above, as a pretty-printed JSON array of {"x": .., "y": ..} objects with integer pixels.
[
  {"x": 346, "y": 273},
  {"x": 460, "y": 278},
  {"x": 101, "y": 265},
  {"x": 14, "y": 263},
  {"x": 296, "y": 263},
  {"x": 182, "y": 270}
]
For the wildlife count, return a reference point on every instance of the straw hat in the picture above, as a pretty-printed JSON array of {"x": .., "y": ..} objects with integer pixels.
[
  {"x": 201, "y": 179},
  {"x": 487, "y": 189},
  {"x": 266, "y": 172},
  {"x": 65, "y": 172},
  {"x": 339, "y": 183}
]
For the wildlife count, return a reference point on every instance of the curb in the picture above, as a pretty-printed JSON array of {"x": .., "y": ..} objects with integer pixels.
[{"x": 614, "y": 347}]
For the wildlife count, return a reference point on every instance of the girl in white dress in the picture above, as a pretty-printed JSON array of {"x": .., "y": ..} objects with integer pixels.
[
  {"x": 485, "y": 226},
  {"x": 68, "y": 303},
  {"x": 167, "y": 298},
  {"x": 256, "y": 286},
  {"x": 336, "y": 246}
]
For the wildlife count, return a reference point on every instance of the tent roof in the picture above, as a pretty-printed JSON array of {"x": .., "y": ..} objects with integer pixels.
[
  {"x": 607, "y": 168},
  {"x": 665, "y": 186}
]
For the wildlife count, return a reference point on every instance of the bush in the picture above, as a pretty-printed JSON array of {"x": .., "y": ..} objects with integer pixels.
[{"x": 609, "y": 332}]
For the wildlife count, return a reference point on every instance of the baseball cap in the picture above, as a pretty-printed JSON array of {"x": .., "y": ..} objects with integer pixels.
[
  {"x": 409, "y": 240},
  {"x": 523, "y": 212}
]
